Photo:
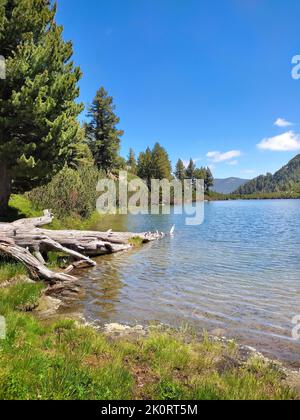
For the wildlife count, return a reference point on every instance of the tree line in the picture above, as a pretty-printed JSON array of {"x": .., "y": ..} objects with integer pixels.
[
  {"x": 286, "y": 180},
  {"x": 39, "y": 128},
  {"x": 104, "y": 138}
]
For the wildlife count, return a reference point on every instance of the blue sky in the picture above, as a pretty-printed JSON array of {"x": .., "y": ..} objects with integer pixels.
[{"x": 208, "y": 80}]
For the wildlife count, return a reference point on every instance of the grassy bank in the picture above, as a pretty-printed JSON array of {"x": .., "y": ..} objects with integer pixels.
[
  {"x": 21, "y": 206},
  {"x": 62, "y": 360},
  {"x": 10, "y": 270},
  {"x": 213, "y": 196}
]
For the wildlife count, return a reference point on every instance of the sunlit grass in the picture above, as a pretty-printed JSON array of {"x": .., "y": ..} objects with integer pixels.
[
  {"x": 10, "y": 270},
  {"x": 63, "y": 360},
  {"x": 19, "y": 295}
]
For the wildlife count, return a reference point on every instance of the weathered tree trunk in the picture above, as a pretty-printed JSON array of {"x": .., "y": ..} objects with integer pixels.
[
  {"x": 5, "y": 189},
  {"x": 26, "y": 242}
]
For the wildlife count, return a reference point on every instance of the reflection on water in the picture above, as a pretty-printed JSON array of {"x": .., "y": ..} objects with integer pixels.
[{"x": 239, "y": 272}]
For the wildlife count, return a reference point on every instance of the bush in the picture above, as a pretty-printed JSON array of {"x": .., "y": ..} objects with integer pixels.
[{"x": 70, "y": 193}]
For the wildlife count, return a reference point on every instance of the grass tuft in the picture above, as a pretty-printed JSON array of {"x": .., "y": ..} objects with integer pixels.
[{"x": 10, "y": 270}]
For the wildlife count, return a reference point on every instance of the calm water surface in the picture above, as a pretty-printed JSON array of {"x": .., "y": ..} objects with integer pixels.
[{"x": 239, "y": 272}]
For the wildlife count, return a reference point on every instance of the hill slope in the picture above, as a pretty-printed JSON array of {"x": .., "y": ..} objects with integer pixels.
[
  {"x": 287, "y": 179},
  {"x": 228, "y": 185}
]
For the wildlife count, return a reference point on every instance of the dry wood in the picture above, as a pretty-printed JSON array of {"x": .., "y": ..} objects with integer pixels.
[{"x": 25, "y": 241}]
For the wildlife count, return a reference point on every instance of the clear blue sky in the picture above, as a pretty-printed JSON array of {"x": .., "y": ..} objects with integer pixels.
[{"x": 197, "y": 76}]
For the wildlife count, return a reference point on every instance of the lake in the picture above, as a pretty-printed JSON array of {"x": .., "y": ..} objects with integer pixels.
[{"x": 238, "y": 272}]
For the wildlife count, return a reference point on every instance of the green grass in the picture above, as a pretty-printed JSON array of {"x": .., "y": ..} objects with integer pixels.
[
  {"x": 136, "y": 241},
  {"x": 19, "y": 295},
  {"x": 10, "y": 270},
  {"x": 66, "y": 361},
  {"x": 22, "y": 207}
]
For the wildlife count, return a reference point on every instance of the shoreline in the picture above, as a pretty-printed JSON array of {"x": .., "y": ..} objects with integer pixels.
[
  {"x": 117, "y": 361},
  {"x": 115, "y": 331},
  {"x": 119, "y": 329}
]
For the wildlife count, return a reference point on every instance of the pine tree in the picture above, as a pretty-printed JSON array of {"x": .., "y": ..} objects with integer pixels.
[
  {"x": 154, "y": 164},
  {"x": 200, "y": 173},
  {"x": 180, "y": 171},
  {"x": 81, "y": 155},
  {"x": 145, "y": 167},
  {"x": 131, "y": 162},
  {"x": 102, "y": 131},
  {"x": 190, "y": 170},
  {"x": 206, "y": 175},
  {"x": 209, "y": 180},
  {"x": 38, "y": 112},
  {"x": 161, "y": 165}
]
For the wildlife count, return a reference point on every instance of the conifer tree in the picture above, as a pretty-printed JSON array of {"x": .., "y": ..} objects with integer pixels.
[
  {"x": 206, "y": 175},
  {"x": 180, "y": 171},
  {"x": 38, "y": 112},
  {"x": 200, "y": 173},
  {"x": 161, "y": 165},
  {"x": 190, "y": 170},
  {"x": 102, "y": 132},
  {"x": 131, "y": 162},
  {"x": 145, "y": 167},
  {"x": 80, "y": 155},
  {"x": 209, "y": 180}
]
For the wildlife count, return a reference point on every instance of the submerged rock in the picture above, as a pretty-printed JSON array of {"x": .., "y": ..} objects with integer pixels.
[
  {"x": 121, "y": 330},
  {"x": 47, "y": 306}
]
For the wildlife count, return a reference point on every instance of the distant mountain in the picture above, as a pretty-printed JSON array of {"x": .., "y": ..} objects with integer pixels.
[
  {"x": 287, "y": 179},
  {"x": 228, "y": 185}
]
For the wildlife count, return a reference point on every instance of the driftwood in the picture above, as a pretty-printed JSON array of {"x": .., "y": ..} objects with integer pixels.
[{"x": 25, "y": 241}]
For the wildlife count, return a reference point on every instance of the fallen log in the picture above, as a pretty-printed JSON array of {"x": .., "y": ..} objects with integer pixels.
[
  {"x": 34, "y": 266},
  {"x": 25, "y": 241}
]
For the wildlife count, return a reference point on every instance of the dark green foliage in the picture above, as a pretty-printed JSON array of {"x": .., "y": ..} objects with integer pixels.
[
  {"x": 180, "y": 171},
  {"x": 280, "y": 195},
  {"x": 161, "y": 165},
  {"x": 154, "y": 164},
  {"x": 120, "y": 164},
  {"x": 102, "y": 132},
  {"x": 37, "y": 100},
  {"x": 206, "y": 175},
  {"x": 193, "y": 173},
  {"x": 286, "y": 180},
  {"x": 190, "y": 170},
  {"x": 80, "y": 155},
  {"x": 208, "y": 180},
  {"x": 144, "y": 166},
  {"x": 71, "y": 192},
  {"x": 131, "y": 162}
]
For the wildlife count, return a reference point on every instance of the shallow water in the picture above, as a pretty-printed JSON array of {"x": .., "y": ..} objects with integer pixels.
[{"x": 239, "y": 271}]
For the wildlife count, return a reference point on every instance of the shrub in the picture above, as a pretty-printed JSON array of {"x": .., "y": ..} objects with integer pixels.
[{"x": 71, "y": 192}]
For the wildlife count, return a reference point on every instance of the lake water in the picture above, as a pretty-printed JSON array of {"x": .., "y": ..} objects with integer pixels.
[{"x": 239, "y": 272}]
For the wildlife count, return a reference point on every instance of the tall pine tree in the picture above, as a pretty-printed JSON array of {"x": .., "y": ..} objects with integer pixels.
[
  {"x": 180, "y": 171},
  {"x": 154, "y": 164},
  {"x": 209, "y": 180},
  {"x": 161, "y": 165},
  {"x": 190, "y": 170},
  {"x": 38, "y": 112},
  {"x": 102, "y": 132},
  {"x": 131, "y": 162},
  {"x": 144, "y": 166}
]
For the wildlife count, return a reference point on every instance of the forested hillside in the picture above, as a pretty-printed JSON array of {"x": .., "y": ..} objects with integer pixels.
[{"x": 287, "y": 179}]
